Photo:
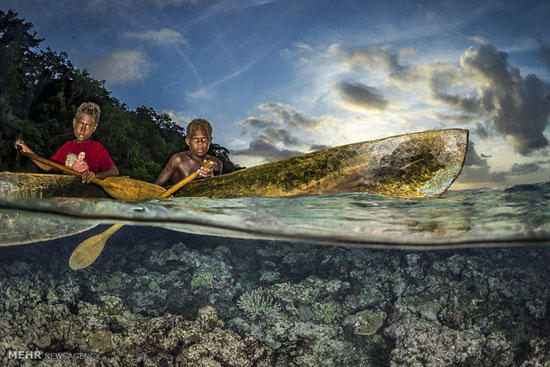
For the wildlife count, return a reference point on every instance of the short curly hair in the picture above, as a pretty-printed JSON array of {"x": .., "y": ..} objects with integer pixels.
[
  {"x": 197, "y": 123},
  {"x": 88, "y": 108}
]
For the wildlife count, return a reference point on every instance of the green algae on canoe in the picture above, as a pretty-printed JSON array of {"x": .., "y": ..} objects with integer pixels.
[
  {"x": 421, "y": 164},
  {"x": 15, "y": 185},
  {"x": 410, "y": 165}
]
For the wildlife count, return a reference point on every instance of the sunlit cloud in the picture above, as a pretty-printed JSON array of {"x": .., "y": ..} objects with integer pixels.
[
  {"x": 375, "y": 58},
  {"x": 121, "y": 67},
  {"x": 162, "y": 36},
  {"x": 481, "y": 90},
  {"x": 484, "y": 85}
]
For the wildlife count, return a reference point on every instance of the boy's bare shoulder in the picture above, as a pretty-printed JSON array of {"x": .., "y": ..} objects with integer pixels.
[{"x": 182, "y": 156}]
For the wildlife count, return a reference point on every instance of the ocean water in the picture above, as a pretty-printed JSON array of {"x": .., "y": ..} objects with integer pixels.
[
  {"x": 504, "y": 215},
  {"x": 349, "y": 280}
]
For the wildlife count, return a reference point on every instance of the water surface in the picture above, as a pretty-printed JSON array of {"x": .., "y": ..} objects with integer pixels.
[{"x": 496, "y": 216}]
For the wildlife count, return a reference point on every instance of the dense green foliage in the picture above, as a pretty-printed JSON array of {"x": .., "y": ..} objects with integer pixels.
[{"x": 40, "y": 92}]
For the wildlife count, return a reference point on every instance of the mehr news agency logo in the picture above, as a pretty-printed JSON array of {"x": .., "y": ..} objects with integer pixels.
[{"x": 39, "y": 355}]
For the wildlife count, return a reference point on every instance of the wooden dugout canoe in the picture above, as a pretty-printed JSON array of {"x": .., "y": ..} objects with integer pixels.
[
  {"x": 422, "y": 164},
  {"x": 409, "y": 165}
]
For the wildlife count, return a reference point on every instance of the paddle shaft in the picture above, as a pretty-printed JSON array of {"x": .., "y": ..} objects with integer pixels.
[
  {"x": 183, "y": 182},
  {"x": 121, "y": 188},
  {"x": 58, "y": 166}
]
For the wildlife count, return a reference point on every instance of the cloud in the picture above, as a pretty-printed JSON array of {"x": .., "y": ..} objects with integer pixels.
[
  {"x": 181, "y": 120},
  {"x": 278, "y": 128},
  {"x": 376, "y": 58},
  {"x": 519, "y": 107},
  {"x": 476, "y": 169},
  {"x": 206, "y": 91},
  {"x": 544, "y": 50},
  {"x": 486, "y": 87},
  {"x": 481, "y": 130},
  {"x": 268, "y": 151},
  {"x": 472, "y": 158},
  {"x": 162, "y": 36},
  {"x": 316, "y": 147},
  {"x": 360, "y": 96},
  {"x": 277, "y": 114},
  {"x": 121, "y": 67},
  {"x": 519, "y": 169},
  {"x": 274, "y": 136},
  {"x": 451, "y": 119}
]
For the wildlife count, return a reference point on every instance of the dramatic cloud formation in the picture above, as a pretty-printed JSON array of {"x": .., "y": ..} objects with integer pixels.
[
  {"x": 519, "y": 107},
  {"x": 278, "y": 127},
  {"x": 361, "y": 96},
  {"x": 344, "y": 71},
  {"x": 485, "y": 87},
  {"x": 162, "y": 36},
  {"x": 121, "y": 67}
]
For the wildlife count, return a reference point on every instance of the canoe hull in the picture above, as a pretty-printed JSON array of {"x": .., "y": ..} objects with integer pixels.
[
  {"x": 413, "y": 165},
  {"x": 409, "y": 165},
  {"x": 43, "y": 185}
]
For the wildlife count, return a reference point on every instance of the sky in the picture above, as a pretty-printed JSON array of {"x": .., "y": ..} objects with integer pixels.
[{"x": 279, "y": 78}]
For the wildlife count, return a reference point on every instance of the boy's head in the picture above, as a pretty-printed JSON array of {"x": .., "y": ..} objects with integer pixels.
[
  {"x": 88, "y": 108},
  {"x": 199, "y": 136},
  {"x": 85, "y": 121}
]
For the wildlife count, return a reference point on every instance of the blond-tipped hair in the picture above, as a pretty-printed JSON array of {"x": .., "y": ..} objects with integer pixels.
[{"x": 88, "y": 108}]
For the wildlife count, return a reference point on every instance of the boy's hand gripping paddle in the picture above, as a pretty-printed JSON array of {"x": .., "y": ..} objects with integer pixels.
[{"x": 121, "y": 188}]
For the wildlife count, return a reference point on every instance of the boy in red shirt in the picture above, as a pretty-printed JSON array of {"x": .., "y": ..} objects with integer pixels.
[{"x": 82, "y": 154}]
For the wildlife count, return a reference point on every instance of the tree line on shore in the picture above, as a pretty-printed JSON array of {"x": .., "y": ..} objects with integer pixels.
[{"x": 40, "y": 91}]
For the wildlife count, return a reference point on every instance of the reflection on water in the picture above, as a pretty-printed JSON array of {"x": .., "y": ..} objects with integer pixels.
[{"x": 475, "y": 217}]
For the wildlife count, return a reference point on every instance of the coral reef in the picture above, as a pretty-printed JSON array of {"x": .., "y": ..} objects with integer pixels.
[
  {"x": 167, "y": 300},
  {"x": 109, "y": 334},
  {"x": 364, "y": 323},
  {"x": 256, "y": 303}
]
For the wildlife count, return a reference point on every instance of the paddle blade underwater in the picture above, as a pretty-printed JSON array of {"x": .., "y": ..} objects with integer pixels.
[{"x": 89, "y": 250}]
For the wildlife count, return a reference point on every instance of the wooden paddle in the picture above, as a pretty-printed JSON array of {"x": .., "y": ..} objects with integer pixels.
[
  {"x": 89, "y": 250},
  {"x": 121, "y": 188}
]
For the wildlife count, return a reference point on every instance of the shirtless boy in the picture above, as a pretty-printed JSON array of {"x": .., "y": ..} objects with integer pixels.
[{"x": 182, "y": 164}]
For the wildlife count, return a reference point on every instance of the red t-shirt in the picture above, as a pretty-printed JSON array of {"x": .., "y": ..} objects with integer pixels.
[{"x": 89, "y": 154}]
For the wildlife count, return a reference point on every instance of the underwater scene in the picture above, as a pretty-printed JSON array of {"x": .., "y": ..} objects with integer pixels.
[{"x": 336, "y": 280}]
